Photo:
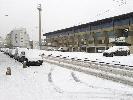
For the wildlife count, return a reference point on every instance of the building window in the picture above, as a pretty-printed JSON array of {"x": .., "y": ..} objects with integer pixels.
[
  {"x": 100, "y": 41},
  {"x": 90, "y": 42},
  {"x": 15, "y": 35},
  {"x": 98, "y": 34}
]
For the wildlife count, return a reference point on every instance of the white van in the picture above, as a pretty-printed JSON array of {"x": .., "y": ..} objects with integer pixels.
[{"x": 63, "y": 49}]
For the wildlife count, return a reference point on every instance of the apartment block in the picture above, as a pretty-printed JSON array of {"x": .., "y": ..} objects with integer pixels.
[{"x": 18, "y": 38}]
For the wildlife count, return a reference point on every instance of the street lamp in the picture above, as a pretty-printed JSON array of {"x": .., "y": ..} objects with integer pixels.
[{"x": 39, "y": 9}]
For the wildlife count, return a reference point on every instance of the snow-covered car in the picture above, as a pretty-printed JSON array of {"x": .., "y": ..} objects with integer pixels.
[
  {"x": 12, "y": 53},
  {"x": 33, "y": 57},
  {"x": 20, "y": 54},
  {"x": 10, "y": 50},
  {"x": 6, "y": 51},
  {"x": 117, "y": 51},
  {"x": 2, "y": 49}
]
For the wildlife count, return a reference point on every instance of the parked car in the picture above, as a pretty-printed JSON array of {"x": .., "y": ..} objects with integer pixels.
[
  {"x": 6, "y": 51},
  {"x": 12, "y": 54},
  {"x": 51, "y": 49},
  {"x": 117, "y": 51},
  {"x": 10, "y": 50},
  {"x": 33, "y": 57},
  {"x": 20, "y": 54},
  {"x": 63, "y": 49}
]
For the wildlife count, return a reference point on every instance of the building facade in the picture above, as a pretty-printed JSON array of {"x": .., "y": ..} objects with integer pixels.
[
  {"x": 18, "y": 38},
  {"x": 1, "y": 42},
  {"x": 93, "y": 36}
]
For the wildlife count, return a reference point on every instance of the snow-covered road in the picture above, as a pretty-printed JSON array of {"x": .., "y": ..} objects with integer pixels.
[{"x": 51, "y": 82}]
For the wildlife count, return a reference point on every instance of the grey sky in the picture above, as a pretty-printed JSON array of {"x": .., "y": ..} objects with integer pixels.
[{"x": 56, "y": 14}]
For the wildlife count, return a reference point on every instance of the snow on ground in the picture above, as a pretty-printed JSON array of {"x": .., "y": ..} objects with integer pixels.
[
  {"x": 123, "y": 60},
  {"x": 78, "y": 83},
  {"x": 51, "y": 82}
]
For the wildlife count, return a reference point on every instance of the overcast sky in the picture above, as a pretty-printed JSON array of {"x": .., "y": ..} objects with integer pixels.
[{"x": 56, "y": 14}]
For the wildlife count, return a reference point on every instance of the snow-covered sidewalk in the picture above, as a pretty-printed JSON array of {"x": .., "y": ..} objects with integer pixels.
[{"x": 51, "y": 82}]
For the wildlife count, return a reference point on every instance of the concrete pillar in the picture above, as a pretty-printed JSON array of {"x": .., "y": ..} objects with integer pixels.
[
  {"x": 95, "y": 49},
  {"x": 129, "y": 39},
  {"x": 95, "y": 39},
  {"x": 86, "y": 49},
  {"x": 130, "y": 28},
  {"x": 106, "y": 38}
]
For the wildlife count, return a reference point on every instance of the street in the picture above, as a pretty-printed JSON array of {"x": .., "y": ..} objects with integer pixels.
[{"x": 51, "y": 82}]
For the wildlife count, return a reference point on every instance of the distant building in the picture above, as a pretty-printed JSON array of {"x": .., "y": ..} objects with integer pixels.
[
  {"x": 8, "y": 40},
  {"x": 34, "y": 44},
  {"x": 1, "y": 42},
  {"x": 17, "y": 38}
]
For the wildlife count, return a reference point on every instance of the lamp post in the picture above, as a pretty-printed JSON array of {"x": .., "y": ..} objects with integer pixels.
[{"x": 39, "y": 9}]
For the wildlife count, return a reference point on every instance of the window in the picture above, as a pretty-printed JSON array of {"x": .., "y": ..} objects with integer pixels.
[
  {"x": 98, "y": 34},
  {"x": 90, "y": 42},
  {"x": 120, "y": 22},
  {"x": 15, "y": 35},
  {"x": 100, "y": 41},
  {"x": 111, "y": 34}
]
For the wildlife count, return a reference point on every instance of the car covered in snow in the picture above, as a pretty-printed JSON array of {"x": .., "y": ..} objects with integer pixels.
[
  {"x": 33, "y": 57},
  {"x": 11, "y": 53},
  {"x": 117, "y": 51},
  {"x": 6, "y": 51},
  {"x": 20, "y": 53}
]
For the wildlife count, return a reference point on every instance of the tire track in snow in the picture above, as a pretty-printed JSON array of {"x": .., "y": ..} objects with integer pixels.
[
  {"x": 76, "y": 79},
  {"x": 114, "y": 94},
  {"x": 57, "y": 89}
]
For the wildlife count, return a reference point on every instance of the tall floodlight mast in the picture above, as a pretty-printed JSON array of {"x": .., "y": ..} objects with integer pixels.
[{"x": 39, "y": 9}]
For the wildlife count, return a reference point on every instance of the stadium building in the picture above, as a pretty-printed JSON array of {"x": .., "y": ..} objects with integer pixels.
[{"x": 94, "y": 36}]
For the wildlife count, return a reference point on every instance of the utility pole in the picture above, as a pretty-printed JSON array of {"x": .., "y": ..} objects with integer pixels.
[{"x": 39, "y": 9}]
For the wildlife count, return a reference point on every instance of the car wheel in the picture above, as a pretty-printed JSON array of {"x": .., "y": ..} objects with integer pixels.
[
  {"x": 41, "y": 63},
  {"x": 20, "y": 59},
  {"x": 128, "y": 52},
  {"x": 106, "y": 55},
  {"x": 27, "y": 62},
  {"x": 111, "y": 55}
]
